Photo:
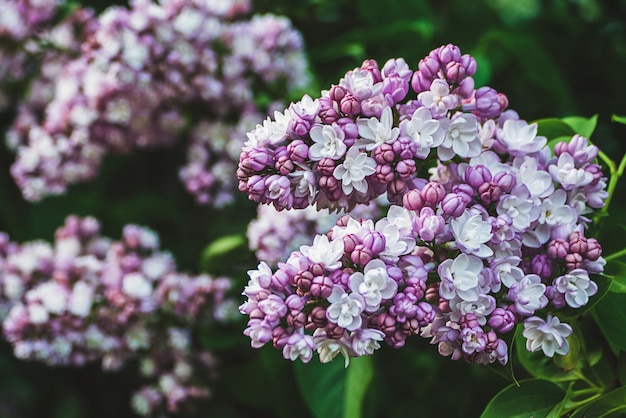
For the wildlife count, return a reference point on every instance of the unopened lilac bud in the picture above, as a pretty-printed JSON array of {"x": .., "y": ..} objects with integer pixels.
[
  {"x": 281, "y": 279},
  {"x": 469, "y": 63},
  {"x": 384, "y": 322},
  {"x": 341, "y": 277},
  {"x": 448, "y": 53},
  {"x": 432, "y": 293},
  {"x": 505, "y": 181},
  {"x": 258, "y": 159},
  {"x": 410, "y": 326},
  {"x": 425, "y": 314},
  {"x": 465, "y": 191},
  {"x": 469, "y": 320},
  {"x": 542, "y": 266},
  {"x": 577, "y": 243},
  {"x": 318, "y": 316},
  {"x": 594, "y": 251},
  {"x": 299, "y": 126},
  {"x": 429, "y": 225},
  {"x": 465, "y": 88},
  {"x": 453, "y": 204},
  {"x": 384, "y": 154},
  {"x": 350, "y": 130},
  {"x": 558, "y": 249},
  {"x": 595, "y": 170},
  {"x": 361, "y": 255},
  {"x": 502, "y": 320},
  {"x": 328, "y": 114},
  {"x": 284, "y": 165},
  {"x": 580, "y": 149},
  {"x": 349, "y": 242},
  {"x": 574, "y": 261},
  {"x": 433, "y": 192},
  {"x": 395, "y": 89},
  {"x": 384, "y": 174},
  {"x": 413, "y": 200},
  {"x": 337, "y": 93},
  {"x": 397, "y": 188},
  {"x": 296, "y": 319},
  {"x": 405, "y": 168},
  {"x": 560, "y": 148},
  {"x": 294, "y": 302},
  {"x": 395, "y": 273},
  {"x": 328, "y": 183},
  {"x": 454, "y": 72},
  {"x": 375, "y": 241},
  {"x": 297, "y": 150},
  {"x": 429, "y": 67},
  {"x": 326, "y": 166},
  {"x": 322, "y": 287},
  {"x": 477, "y": 175},
  {"x": 350, "y": 105},
  {"x": 334, "y": 331},
  {"x": 303, "y": 281},
  {"x": 489, "y": 193},
  {"x": 317, "y": 269},
  {"x": 280, "y": 337},
  {"x": 420, "y": 82}
]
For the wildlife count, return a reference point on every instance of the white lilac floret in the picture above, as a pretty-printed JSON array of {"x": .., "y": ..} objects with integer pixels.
[{"x": 493, "y": 238}]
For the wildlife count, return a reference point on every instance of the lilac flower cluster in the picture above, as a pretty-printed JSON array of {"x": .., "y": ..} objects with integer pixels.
[
  {"x": 31, "y": 37},
  {"x": 273, "y": 235},
  {"x": 140, "y": 81},
  {"x": 491, "y": 238},
  {"x": 346, "y": 148},
  {"x": 86, "y": 298}
]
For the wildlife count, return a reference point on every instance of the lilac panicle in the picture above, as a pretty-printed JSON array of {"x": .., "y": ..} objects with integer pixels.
[{"x": 493, "y": 235}]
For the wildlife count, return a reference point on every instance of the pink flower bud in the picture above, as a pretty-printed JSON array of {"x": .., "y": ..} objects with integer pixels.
[
  {"x": 413, "y": 200},
  {"x": 433, "y": 193},
  {"x": 350, "y": 105}
]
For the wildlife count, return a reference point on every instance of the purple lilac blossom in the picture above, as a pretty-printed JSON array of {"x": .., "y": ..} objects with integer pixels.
[
  {"x": 140, "y": 81},
  {"x": 87, "y": 298},
  {"x": 493, "y": 238}
]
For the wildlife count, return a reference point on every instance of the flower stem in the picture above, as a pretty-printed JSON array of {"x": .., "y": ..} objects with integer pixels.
[
  {"x": 615, "y": 175},
  {"x": 615, "y": 255}
]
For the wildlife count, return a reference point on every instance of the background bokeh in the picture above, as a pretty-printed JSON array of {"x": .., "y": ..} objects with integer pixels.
[{"x": 551, "y": 58}]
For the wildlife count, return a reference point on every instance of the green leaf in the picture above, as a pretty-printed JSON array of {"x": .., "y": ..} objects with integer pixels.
[
  {"x": 582, "y": 126},
  {"x": 570, "y": 360},
  {"x": 360, "y": 374},
  {"x": 610, "y": 315},
  {"x": 612, "y": 404},
  {"x": 537, "y": 364},
  {"x": 553, "y": 128},
  {"x": 221, "y": 246},
  {"x": 618, "y": 285},
  {"x": 619, "y": 119},
  {"x": 322, "y": 387},
  {"x": 533, "y": 398}
]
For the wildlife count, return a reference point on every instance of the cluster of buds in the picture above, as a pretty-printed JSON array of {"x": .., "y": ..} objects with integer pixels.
[
  {"x": 485, "y": 232},
  {"x": 87, "y": 298},
  {"x": 140, "y": 81}
]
